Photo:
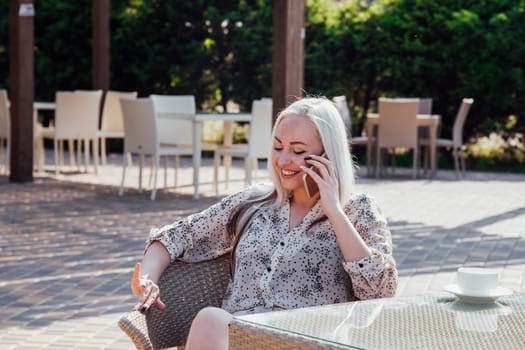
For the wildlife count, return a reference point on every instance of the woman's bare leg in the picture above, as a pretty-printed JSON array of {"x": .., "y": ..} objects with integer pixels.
[{"x": 209, "y": 330}]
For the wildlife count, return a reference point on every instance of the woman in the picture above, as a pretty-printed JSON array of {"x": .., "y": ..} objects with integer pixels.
[{"x": 295, "y": 245}]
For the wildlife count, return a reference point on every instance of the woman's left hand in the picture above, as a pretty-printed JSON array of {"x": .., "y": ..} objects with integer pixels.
[
  {"x": 147, "y": 291},
  {"x": 326, "y": 181}
]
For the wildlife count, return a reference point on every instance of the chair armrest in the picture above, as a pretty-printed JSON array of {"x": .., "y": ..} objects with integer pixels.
[
  {"x": 185, "y": 288},
  {"x": 134, "y": 325}
]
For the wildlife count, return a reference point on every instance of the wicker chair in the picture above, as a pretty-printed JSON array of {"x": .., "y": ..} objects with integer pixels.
[{"x": 185, "y": 288}]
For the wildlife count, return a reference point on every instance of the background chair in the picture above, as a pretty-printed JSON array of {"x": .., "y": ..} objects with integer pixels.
[
  {"x": 397, "y": 128},
  {"x": 112, "y": 125},
  {"x": 5, "y": 145},
  {"x": 71, "y": 142},
  {"x": 425, "y": 107},
  {"x": 456, "y": 143},
  {"x": 142, "y": 137},
  {"x": 186, "y": 288},
  {"x": 76, "y": 118},
  {"x": 342, "y": 104},
  {"x": 258, "y": 146},
  {"x": 5, "y": 121},
  {"x": 177, "y": 132},
  {"x": 362, "y": 140}
]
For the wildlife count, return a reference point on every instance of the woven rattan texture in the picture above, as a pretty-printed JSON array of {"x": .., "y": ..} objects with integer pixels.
[
  {"x": 134, "y": 325},
  {"x": 185, "y": 288},
  {"x": 244, "y": 336}
]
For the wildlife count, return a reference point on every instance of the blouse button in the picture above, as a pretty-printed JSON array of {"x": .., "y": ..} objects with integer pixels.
[
  {"x": 361, "y": 265},
  {"x": 268, "y": 269},
  {"x": 282, "y": 243}
]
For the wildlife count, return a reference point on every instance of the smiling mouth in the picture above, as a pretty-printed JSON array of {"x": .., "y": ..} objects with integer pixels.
[{"x": 285, "y": 172}]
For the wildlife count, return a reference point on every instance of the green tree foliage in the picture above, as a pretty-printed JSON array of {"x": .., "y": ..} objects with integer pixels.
[
  {"x": 216, "y": 50},
  {"x": 62, "y": 46},
  {"x": 221, "y": 50},
  {"x": 444, "y": 49}
]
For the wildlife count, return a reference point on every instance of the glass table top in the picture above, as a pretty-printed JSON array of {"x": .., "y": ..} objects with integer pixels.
[{"x": 431, "y": 322}]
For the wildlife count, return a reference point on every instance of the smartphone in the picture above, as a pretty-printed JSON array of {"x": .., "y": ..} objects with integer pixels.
[{"x": 309, "y": 184}]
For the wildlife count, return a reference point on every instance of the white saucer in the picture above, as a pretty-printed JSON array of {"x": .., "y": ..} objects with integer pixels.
[{"x": 480, "y": 297}]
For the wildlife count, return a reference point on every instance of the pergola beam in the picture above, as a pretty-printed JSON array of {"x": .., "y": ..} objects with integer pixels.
[
  {"x": 21, "y": 91},
  {"x": 101, "y": 44},
  {"x": 288, "y": 52}
]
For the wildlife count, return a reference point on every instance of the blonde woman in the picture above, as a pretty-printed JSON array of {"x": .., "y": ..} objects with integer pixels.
[{"x": 305, "y": 239}]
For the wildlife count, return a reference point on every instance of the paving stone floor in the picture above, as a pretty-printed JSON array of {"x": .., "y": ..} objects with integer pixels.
[{"x": 68, "y": 243}]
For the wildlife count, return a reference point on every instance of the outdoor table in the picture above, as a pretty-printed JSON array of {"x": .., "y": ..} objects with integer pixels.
[
  {"x": 228, "y": 118},
  {"x": 430, "y": 121},
  {"x": 417, "y": 322}
]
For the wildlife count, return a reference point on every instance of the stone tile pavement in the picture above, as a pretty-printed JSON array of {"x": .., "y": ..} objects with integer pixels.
[{"x": 68, "y": 243}]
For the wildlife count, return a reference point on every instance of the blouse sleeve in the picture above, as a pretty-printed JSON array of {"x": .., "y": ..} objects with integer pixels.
[
  {"x": 202, "y": 235},
  {"x": 374, "y": 276}
]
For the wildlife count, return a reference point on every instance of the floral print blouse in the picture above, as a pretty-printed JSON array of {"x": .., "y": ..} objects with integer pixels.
[{"x": 280, "y": 268}]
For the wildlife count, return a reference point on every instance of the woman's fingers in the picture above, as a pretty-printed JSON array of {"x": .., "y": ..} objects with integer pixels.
[
  {"x": 150, "y": 296},
  {"x": 159, "y": 304},
  {"x": 136, "y": 288},
  {"x": 322, "y": 164},
  {"x": 147, "y": 291}
]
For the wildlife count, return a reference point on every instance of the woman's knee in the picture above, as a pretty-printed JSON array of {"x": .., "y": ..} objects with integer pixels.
[
  {"x": 209, "y": 330},
  {"x": 212, "y": 316}
]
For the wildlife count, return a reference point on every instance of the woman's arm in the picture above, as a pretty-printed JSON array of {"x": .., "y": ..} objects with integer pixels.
[
  {"x": 146, "y": 277},
  {"x": 156, "y": 259},
  {"x": 373, "y": 276},
  {"x": 198, "y": 237},
  {"x": 352, "y": 245}
]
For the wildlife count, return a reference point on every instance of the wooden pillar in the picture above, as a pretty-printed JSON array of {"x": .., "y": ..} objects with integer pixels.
[
  {"x": 288, "y": 52},
  {"x": 101, "y": 44},
  {"x": 21, "y": 90}
]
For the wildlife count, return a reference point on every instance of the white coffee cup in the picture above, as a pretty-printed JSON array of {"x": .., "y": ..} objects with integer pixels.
[{"x": 477, "y": 280}]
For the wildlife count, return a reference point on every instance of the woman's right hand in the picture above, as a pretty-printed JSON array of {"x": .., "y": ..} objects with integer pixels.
[{"x": 147, "y": 290}]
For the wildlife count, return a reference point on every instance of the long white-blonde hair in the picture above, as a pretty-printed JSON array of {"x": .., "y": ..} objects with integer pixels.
[{"x": 326, "y": 118}]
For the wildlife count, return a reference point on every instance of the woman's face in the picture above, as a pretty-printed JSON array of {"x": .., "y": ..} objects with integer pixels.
[{"x": 295, "y": 138}]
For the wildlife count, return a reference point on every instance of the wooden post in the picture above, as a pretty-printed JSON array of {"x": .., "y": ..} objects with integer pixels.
[
  {"x": 101, "y": 44},
  {"x": 288, "y": 52},
  {"x": 21, "y": 91}
]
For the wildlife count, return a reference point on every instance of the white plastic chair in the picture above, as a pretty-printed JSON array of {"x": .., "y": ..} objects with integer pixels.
[
  {"x": 112, "y": 125},
  {"x": 177, "y": 131},
  {"x": 456, "y": 143},
  {"x": 258, "y": 146},
  {"x": 142, "y": 130},
  {"x": 5, "y": 121},
  {"x": 76, "y": 118},
  {"x": 5, "y": 142},
  {"x": 397, "y": 128},
  {"x": 71, "y": 142}
]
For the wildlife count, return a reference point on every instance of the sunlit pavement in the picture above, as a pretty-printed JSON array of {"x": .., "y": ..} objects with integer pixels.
[{"x": 68, "y": 243}]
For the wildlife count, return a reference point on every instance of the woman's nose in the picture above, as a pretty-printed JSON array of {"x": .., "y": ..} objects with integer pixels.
[{"x": 284, "y": 159}]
